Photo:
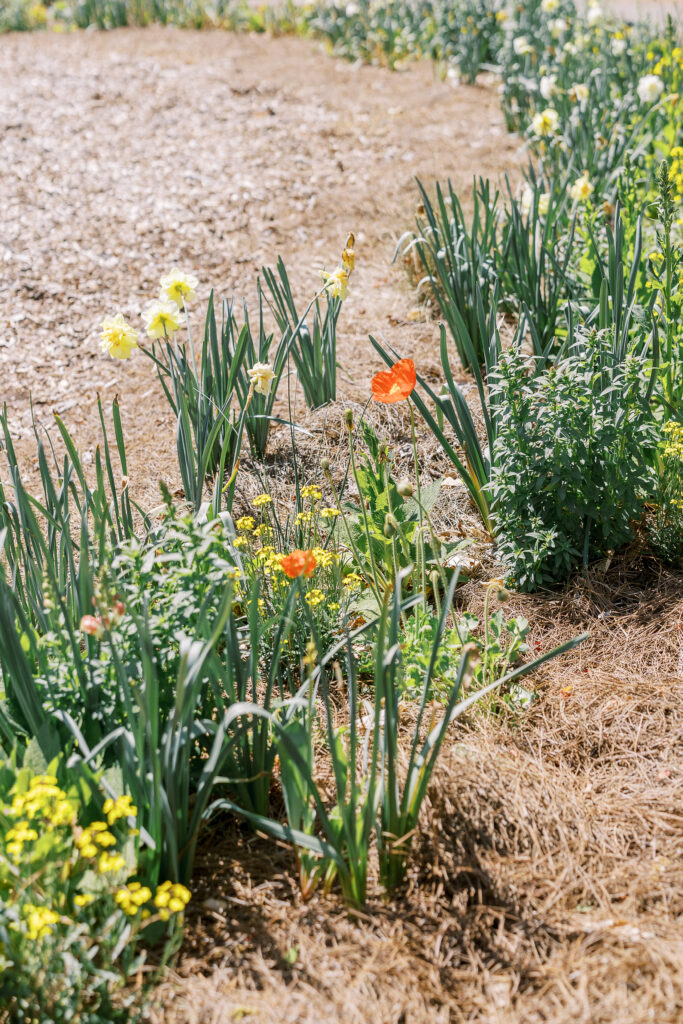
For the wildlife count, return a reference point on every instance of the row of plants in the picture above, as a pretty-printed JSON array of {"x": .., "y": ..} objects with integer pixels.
[{"x": 161, "y": 668}]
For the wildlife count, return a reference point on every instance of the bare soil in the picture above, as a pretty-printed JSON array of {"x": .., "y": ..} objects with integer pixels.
[{"x": 547, "y": 882}]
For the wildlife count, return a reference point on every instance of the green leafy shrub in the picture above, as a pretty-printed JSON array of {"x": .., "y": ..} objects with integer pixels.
[{"x": 572, "y": 458}]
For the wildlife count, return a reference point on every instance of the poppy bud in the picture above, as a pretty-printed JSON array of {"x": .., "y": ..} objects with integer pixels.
[
  {"x": 348, "y": 418},
  {"x": 390, "y": 525},
  {"x": 325, "y": 465},
  {"x": 405, "y": 488}
]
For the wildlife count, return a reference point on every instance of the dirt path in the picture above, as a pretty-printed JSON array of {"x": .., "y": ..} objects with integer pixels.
[{"x": 124, "y": 153}]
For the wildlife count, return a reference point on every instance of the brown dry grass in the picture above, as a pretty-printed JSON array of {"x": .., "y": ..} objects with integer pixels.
[{"x": 546, "y": 884}]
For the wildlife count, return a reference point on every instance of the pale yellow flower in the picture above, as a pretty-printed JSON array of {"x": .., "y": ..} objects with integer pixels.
[
  {"x": 336, "y": 283},
  {"x": 118, "y": 337},
  {"x": 545, "y": 122},
  {"x": 261, "y": 376},
  {"x": 161, "y": 319},
  {"x": 582, "y": 189},
  {"x": 178, "y": 286}
]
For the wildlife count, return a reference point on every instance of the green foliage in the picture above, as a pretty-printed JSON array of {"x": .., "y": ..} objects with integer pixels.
[
  {"x": 393, "y": 532},
  {"x": 491, "y": 650},
  {"x": 313, "y": 348},
  {"x": 665, "y": 518},
  {"x": 371, "y": 796},
  {"x": 459, "y": 263},
  {"x": 570, "y": 458}
]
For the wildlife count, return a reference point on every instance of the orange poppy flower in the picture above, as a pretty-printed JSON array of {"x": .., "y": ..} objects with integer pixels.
[
  {"x": 298, "y": 562},
  {"x": 396, "y": 384}
]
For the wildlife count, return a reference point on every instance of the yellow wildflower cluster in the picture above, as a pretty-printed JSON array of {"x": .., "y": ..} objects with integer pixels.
[
  {"x": 303, "y": 518},
  {"x": 93, "y": 838},
  {"x": 263, "y": 530},
  {"x": 122, "y": 807},
  {"x": 676, "y": 171},
  {"x": 673, "y": 448},
  {"x": 311, "y": 491},
  {"x": 329, "y": 513},
  {"x": 169, "y": 898},
  {"x": 353, "y": 581},
  {"x": 314, "y": 598},
  {"x": 16, "y": 837},
  {"x": 39, "y": 921},
  {"x": 132, "y": 897},
  {"x": 261, "y": 500},
  {"x": 325, "y": 558},
  {"x": 43, "y": 799},
  {"x": 246, "y": 523}
]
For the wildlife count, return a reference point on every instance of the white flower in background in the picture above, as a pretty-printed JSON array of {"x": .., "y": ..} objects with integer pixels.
[
  {"x": 548, "y": 86},
  {"x": 571, "y": 49},
  {"x": 595, "y": 14},
  {"x": 582, "y": 189},
  {"x": 521, "y": 46},
  {"x": 618, "y": 46},
  {"x": 579, "y": 93},
  {"x": 650, "y": 88},
  {"x": 558, "y": 27},
  {"x": 261, "y": 376},
  {"x": 527, "y": 201},
  {"x": 549, "y": 6},
  {"x": 546, "y": 122}
]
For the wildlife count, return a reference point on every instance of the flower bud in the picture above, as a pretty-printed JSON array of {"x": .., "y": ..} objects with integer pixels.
[
  {"x": 405, "y": 488},
  {"x": 348, "y": 418},
  {"x": 325, "y": 465},
  {"x": 390, "y": 525},
  {"x": 502, "y": 595}
]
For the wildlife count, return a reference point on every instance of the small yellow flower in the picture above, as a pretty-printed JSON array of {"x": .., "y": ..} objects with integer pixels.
[
  {"x": 118, "y": 337},
  {"x": 161, "y": 319},
  {"x": 246, "y": 523},
  {"x": 263, "y": 530},
  {"x": 314, "y": 598},
  {"x": 122, "y": 807},
  {"x": 262, "y": 499},
  {"x": 83, "y": 899},
  {"x": 240, "y": 542},
  {"x": 311, "y": 491},
  {"x": 178, "y": 286},
  {"x": 39, "y": 921},
  {"x": 110, "y": 862},
  {"x": 353, "y": 581},
  {"x": 329, "y": 513},
  {"x": 261, "y": 377}
]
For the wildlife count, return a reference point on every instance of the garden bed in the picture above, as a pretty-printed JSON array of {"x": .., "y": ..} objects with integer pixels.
[{"x": 545, "y": 883}]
